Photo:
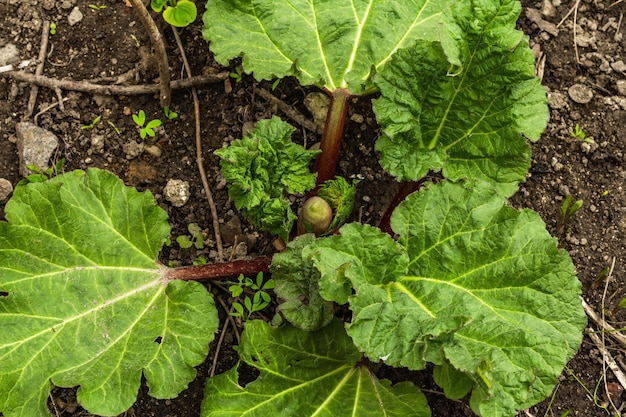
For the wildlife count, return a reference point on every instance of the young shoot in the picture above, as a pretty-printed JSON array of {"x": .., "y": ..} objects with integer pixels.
[
  {"x": 260, "y": 299},
  {"x": 148, "y": 129},
  {"x": 579, "y": 133},
  {"x": 566, "y": 212},
  {"x": 92, "y": 124}
]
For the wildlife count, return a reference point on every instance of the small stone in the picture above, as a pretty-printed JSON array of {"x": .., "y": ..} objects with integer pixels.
[
  {"x": 621, "y": 87},
  {"x": 556, "y": 100},
  {"x": 153, "y": 150},
  {"x": 75, "y": 16},
  {"x": 177, "y": 192},
  {"x": 6, "y": 188},
  {"x": 35, "y": 146},
  {"x": 619, "y": 66},
  {"x": 357, "y": 118},
  {"x": 97, "y": 143},
  {"x": 133, "y": 149},
  {"x": 9, "y": 54},
  {"x": 580, "y": 93}
]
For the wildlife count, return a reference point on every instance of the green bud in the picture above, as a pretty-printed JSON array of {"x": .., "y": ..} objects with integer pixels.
[{"x": 316, "y": 215}]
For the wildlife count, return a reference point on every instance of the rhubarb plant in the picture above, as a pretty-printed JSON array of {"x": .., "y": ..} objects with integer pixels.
[{"x": 462, "y": 282}]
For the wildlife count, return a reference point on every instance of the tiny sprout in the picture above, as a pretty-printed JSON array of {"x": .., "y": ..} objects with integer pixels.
[
  {"x": 148, "y": 129},
  {"x": 114, "y": 127},
  {"x": 96, "y": 7},
  {"x": 566, "y": 212},
  {"x": 316, "y": 215},
  {"x": 169, "y": 114},
  {"x": 237, "y": 75},
  {"x": 580, "y": 134},
  {"x": 53, "y": 28},
  {"x": 92, "y": 124},
  {"x": 137, "y": 43}
]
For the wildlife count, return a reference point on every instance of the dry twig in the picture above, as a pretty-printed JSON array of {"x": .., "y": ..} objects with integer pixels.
[
  {"x": 117, "y": 90},
  {"x": 205, "y": 182},
  {"x": 159, "y": 51},
  {"x": 292, "y": 113},
  {"x": 34, "y": 89}
]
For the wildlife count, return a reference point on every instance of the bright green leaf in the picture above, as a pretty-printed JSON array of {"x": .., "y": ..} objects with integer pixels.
[
  {"x": 473, "y": 283},
  {"x": 305, "y": 374},
  {"x": 157, "y": 5},
  {"x": 296, "y": 283},
  {"x": 84, "y": 301},
  {"x": 263, "y": 167},
  {"x": 333, "y": 43},
  {"x": 467, "y": 121},
  {"x": 181, "y": 15}
]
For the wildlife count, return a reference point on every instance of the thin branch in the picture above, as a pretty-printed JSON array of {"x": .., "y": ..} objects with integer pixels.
[
  {"x": 159, "y": 51},
  {"x": 114, "y": 90},
  {"x": 292, "y": 113},
  {"x": 34, "y": 89},
  {"x": 205, "y": 182}
]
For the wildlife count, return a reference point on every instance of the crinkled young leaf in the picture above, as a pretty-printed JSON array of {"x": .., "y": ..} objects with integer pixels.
[
  {"x": 262, "y": 167},
  {"x": 474, "y": 283},
  {"x": 297, "y": 287},
  {"x": 467, "y": 121},
  {"x": 305, "y": 374},
  {"x": 340, "y": 195},
  {"x": 84, "y": 301},
  {"x": 333, "y": 43}
]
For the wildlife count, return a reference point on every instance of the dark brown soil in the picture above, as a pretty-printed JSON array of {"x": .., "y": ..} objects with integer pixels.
[{"x": 111, "y": 41}]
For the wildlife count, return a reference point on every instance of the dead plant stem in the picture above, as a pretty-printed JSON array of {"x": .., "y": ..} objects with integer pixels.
[
  {"x": 34, "y": 89},
  {"x": 116, "y": 90},
  {"x": 159, "y": 51},
  {"x": 205, "y": 182}
]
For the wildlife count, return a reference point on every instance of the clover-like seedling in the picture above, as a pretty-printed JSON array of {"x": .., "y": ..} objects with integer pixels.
[
  {"x": 259, "y": 300},
  {"x": 196, "y": 239},
  {"x": 579, "y": 133},
  {"x": 148, "y": 129},
  {"x": 169, "y": 114}
]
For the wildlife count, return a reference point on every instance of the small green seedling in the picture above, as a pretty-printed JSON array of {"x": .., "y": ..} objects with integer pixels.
[
  {"x": 259, "y": 300},
  {"x": 196, "y": 239},
  {"x": 237, "y": 75},
  {"x": 92, "y": 124},
  {"x": 580, "y": 134},
  {"x": 566, "y": 212},
  {"x": 39, "y": 175},
  {"x": 200, "y": 260},
  {"x": 53, "y": 28},
  {"x": 169, "y": 114},
  {"x": 275, "y": 84},
  {"x": 137, "y": 43},
  {"x": 147, "y": 130},
  {"x": 114, "y": 127},
  {"x": 179, "y": 13},
  {"x": 97, "y": 7}
]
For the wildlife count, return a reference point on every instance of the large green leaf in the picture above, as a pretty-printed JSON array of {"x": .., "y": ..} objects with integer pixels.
[
  {"x": 306, "y": 374},
  {"x": 474, "y": 286},
  {"x": 83, "y": 301},
  {"x": 333, "y": 43},
  {"x": 466, "y": 120},
  {"x": 296, "y": 283}
]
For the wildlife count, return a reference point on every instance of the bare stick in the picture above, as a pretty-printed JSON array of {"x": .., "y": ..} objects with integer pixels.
[
  {"x": 568, "y": 13},
  {"x": 159, "y": 51},
  {"x": 53, "y": 105},
  {"x": 205, "y": 182},
  {"x": 219, "y": 345},
  {"x": 34, "y": 89},
  {"x": 292, "y": 113},
  {"x": 608, "y": 360},
  {"x": 115, "y": 90}
]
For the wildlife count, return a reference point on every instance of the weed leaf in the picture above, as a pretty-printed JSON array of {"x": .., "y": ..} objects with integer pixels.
[
  {"x": 472, "y": 283},
  {"x": 333, "y": 43},
  {"x": 307, "y": 374},
  {"x": 86, "y": 302},
  {"x": 465, "y": 119}
]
